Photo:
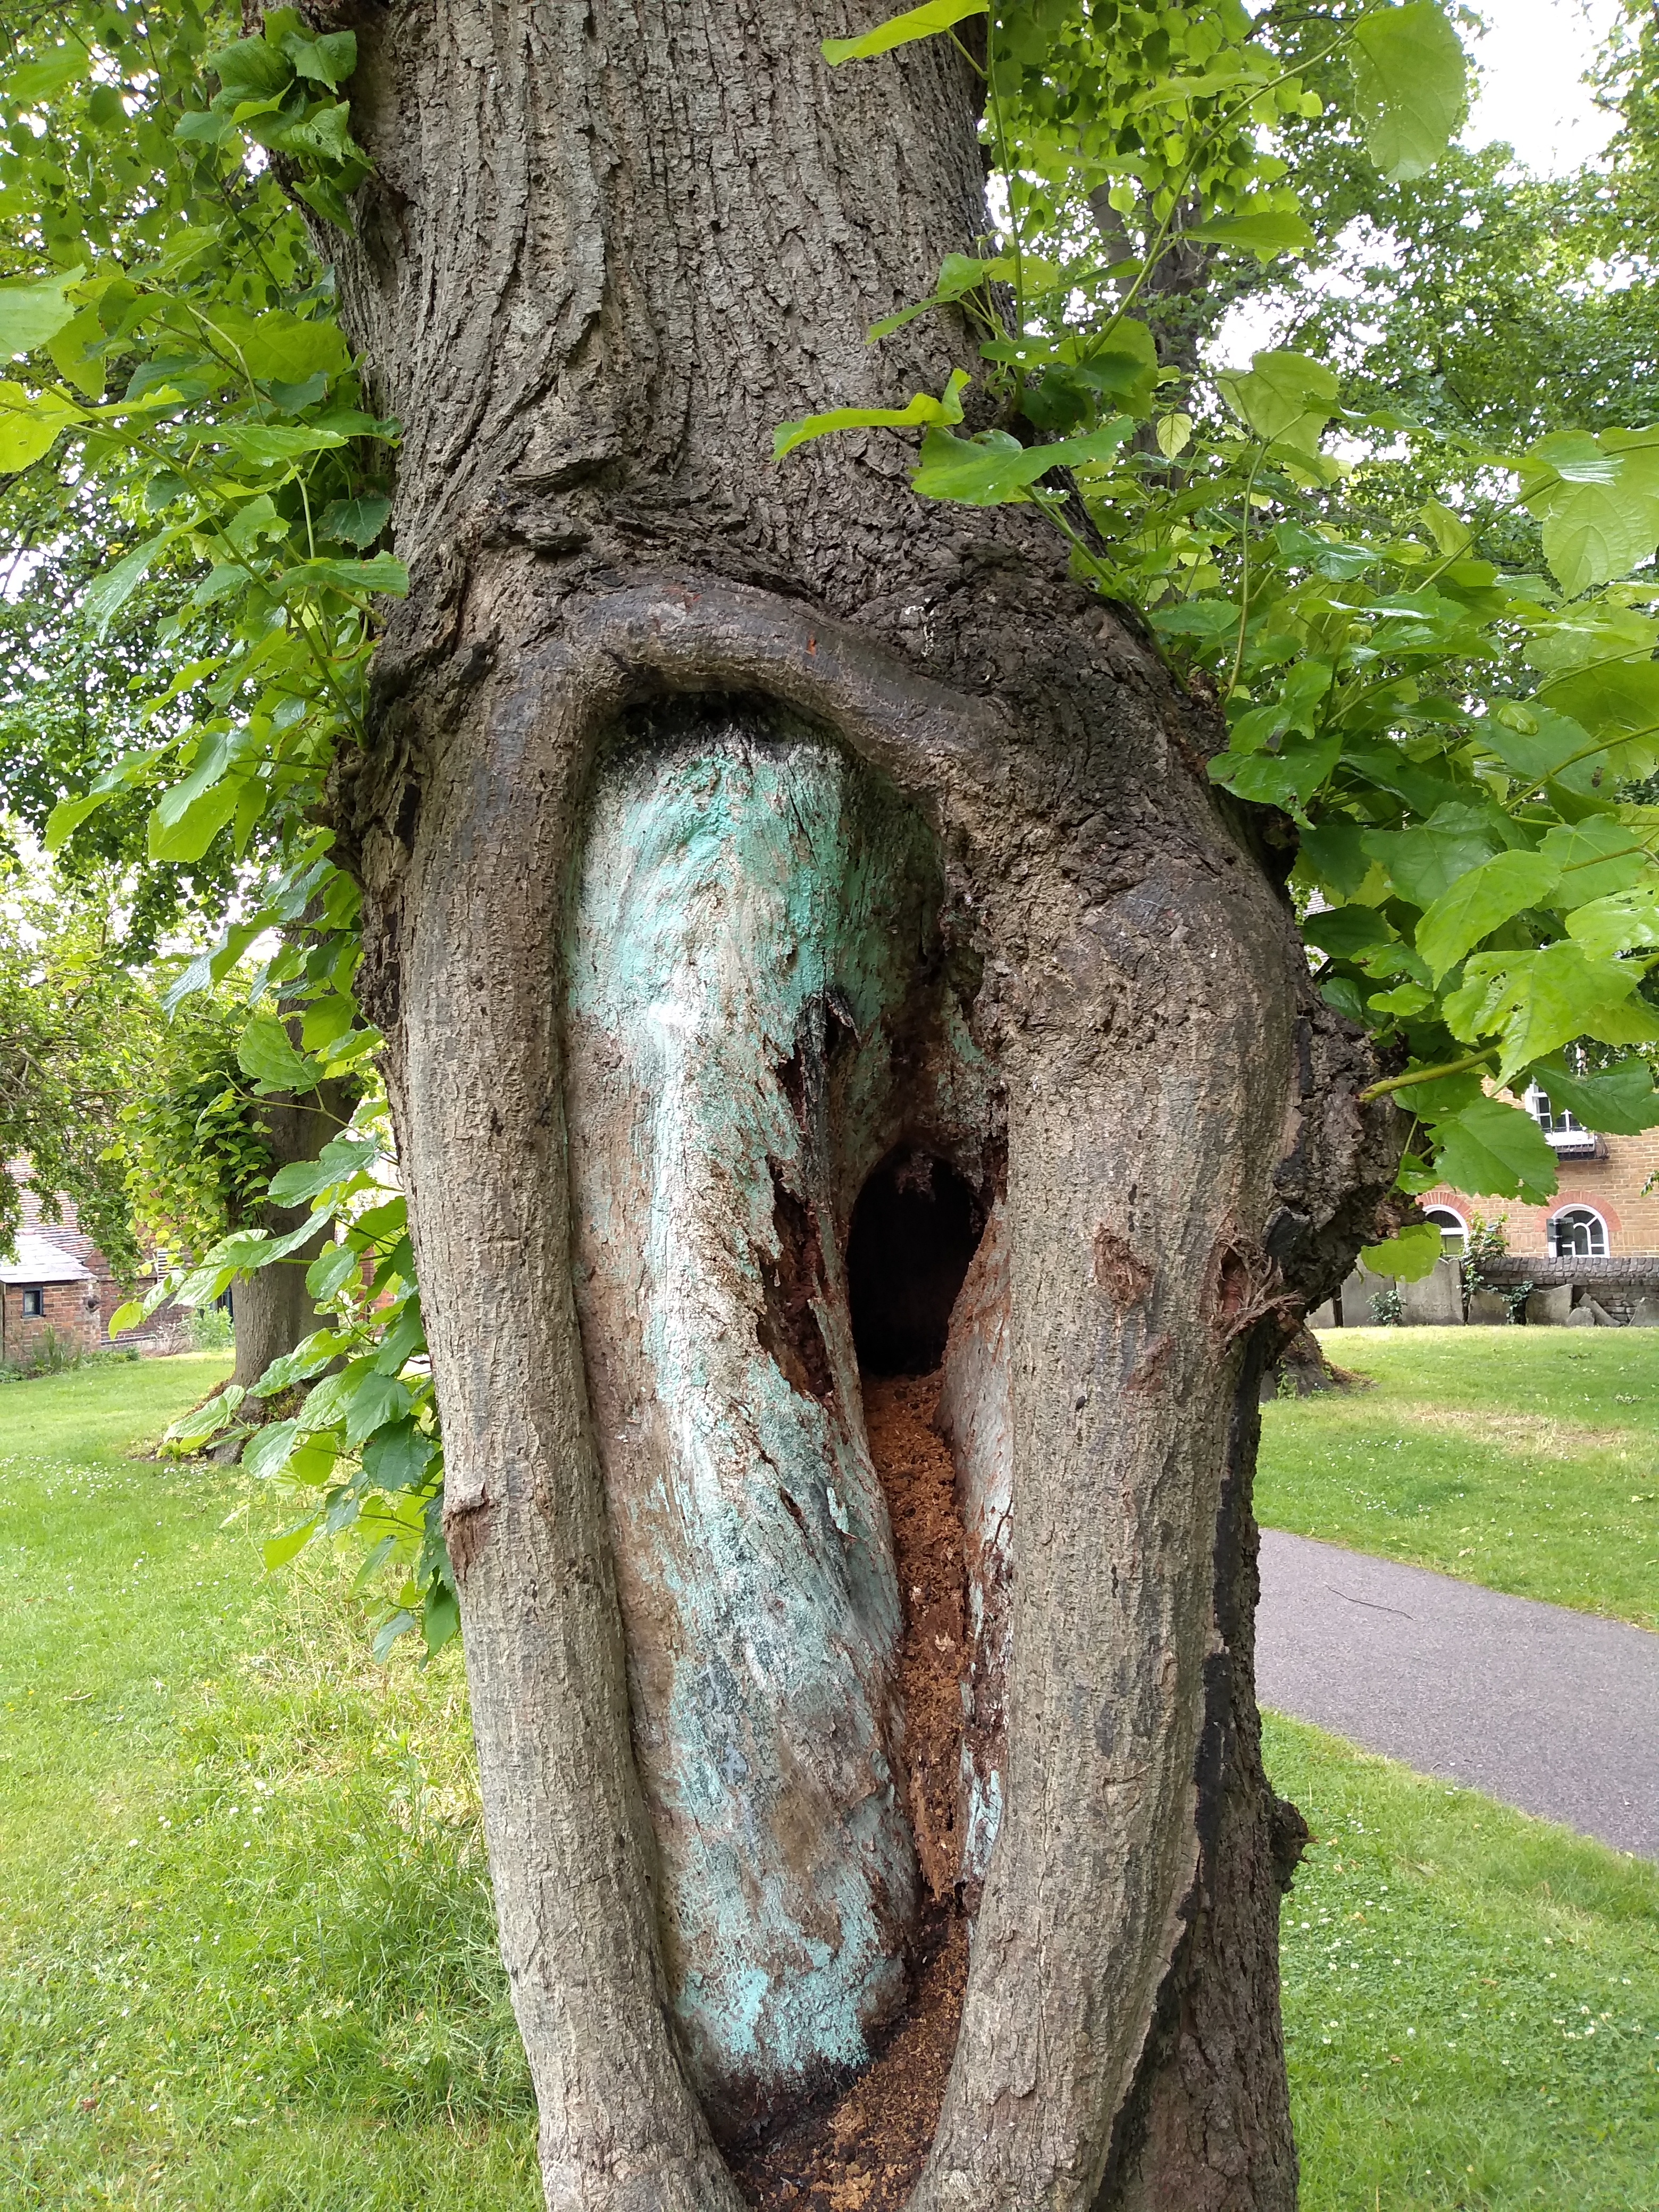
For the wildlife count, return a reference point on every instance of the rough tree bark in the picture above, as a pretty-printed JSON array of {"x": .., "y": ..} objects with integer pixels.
[{"x": 759, "y": 860}]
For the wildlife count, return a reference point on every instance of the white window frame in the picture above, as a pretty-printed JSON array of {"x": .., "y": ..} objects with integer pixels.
[
  {"x": 1560, "y": 1129},
  {"x": 1589, "y": 1212},
  {"x": 1434, "y": 1214}
]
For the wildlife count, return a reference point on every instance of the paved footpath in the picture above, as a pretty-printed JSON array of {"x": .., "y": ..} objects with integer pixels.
[{"x": 1557, "y": 1713}]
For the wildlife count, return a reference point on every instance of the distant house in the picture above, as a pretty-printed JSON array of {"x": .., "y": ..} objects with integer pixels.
[
  {"x": 1592, "y": 1253},
  {"x": 61, "y": 1285},
  {"x": 1603, "y": 1209}
]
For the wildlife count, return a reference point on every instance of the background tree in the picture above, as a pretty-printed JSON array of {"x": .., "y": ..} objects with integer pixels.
[{"x": 69, "y": 1034}]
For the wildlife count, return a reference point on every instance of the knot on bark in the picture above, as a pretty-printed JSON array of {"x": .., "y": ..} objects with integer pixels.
[
  {"x": 1245, "y": 1288},
  {"x": 1120, "y": 1271}
]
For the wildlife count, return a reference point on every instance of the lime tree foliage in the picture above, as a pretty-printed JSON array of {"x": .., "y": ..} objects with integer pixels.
[
  {"x": 1435, "y": 732},
  {"x": 196, "y": 1165},
  {"x": 70, "y": 1039}
]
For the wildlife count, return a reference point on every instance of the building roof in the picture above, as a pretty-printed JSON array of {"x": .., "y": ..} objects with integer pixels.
[{"x": 39, "y": 1261}]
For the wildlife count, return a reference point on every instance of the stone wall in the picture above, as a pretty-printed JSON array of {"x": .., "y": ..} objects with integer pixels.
[{"x": 1617, "y": 1293}]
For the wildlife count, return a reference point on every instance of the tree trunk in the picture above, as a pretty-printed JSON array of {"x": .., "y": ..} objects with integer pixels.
[
  {"x": 822, "y": 988},
  {"x": 272, "y": 1310}
]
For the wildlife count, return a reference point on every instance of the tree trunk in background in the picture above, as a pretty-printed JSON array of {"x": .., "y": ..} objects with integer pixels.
[
  {"x": 848, "y": 1069},
  {"x": 273, "y": 1309}
]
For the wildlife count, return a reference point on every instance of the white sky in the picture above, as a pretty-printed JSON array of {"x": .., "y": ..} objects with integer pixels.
[
  {"x": 1529, "y": 92},
  {"x": 1532, "y": 59}
]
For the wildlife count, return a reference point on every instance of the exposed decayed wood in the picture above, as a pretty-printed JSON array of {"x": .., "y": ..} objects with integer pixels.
[
  {"x": 757, "y": 1007},
  {"x": 605, "y": 249}
]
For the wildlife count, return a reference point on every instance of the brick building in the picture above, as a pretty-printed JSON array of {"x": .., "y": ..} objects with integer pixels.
[
  {"x": 1603, "y": 1209},
  {"x": 61, "y": 1285}
]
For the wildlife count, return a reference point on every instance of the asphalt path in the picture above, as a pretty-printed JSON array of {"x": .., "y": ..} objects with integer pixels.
[{"x": 1557, "y": 1713}]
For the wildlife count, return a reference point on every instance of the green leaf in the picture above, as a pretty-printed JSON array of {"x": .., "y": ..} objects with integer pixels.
[
  {"x": 126, "y": 1315},
  {"x": 1492, "y": 1149},
  {"x": 994, "y": 469},
  {"x": 66, "y": 817},
  {"x": 250, "y": 69},
  {"x": 37, "y": 82},
  {"x": 30, "y": 422},
  {"x": 1627, "y": 923},
  {"x": 207, "y": 1419},
  {"x": 1575, "y": 456},
  {"x": 265, "y": 1053},
  {"x": 197, "y": 824},
  {"x": 1285, "y": 398},
  {"x": 1206, "y": 618},
  {"x": 109, "y": 593},
  {"x": 1621, "y": 1100},
  {"x": 1596, "y": 859},
  {"x": 1425, "y": 862},
  {"x": 1480, "y": 900},
  {"x": 922, "y": 408},
  {"x": 399, "y": 1455},
  {"x": 355, "y": 521},
  {"x": 1411, "y": 85},
  {"x": 1538, "y": 754},
  {"x": 1334, "y": 854},
  {"x": 1265, "y": 232},
  {"x": 1405, "y": 999},
  {"x": 1344, "y": 930},
  {"x": 201, "y": 127},
  {"x": 377, "y": 1401},
  {"x": 1123, "y": 367},
  {"x": 386, "y": 1220},
  {"x": 269, "y": 445},
  {"x": 1409, "y": 1256},
  {"x": 279, "y": 1550},
  {"x": 440, "y": 1619},
  {"x": 385, "y": 573},
  {"x": 267, "y": 1451},
  {"x": 333, "y": 1267},
  {"x": 33, "y": 309},
  {"x": 340, "y": 1159},
  {"x": 899, "y": 30},
  {"x": 1286, "y": 779},
  {"x": 1614, "y": 699},
  {"x": 278, "y": 343},
  {"x": 328, "y": 60},
  {"x": 1536, "y": 1001},
  {"x": 402, "y": 1340}
]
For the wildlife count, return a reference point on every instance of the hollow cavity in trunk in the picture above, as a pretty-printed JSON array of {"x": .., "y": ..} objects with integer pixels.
[{"x": 785, "y": 1186}]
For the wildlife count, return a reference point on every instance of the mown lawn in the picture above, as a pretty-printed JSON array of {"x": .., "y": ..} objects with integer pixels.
[
  {"x": 1471, "y": 1998},
  {"x": 1527, "y": 1459},
  {"x": 246, "y": 1952}
]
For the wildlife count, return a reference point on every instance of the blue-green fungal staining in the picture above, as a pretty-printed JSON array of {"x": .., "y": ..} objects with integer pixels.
[{"x": 753, "y": 942}]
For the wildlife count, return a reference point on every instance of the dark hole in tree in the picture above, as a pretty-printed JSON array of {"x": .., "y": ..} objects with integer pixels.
[{"x": 916, "y": 1227}]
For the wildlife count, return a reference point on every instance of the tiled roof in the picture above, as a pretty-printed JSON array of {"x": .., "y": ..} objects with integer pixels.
[{"x": 40, "y": 1261}]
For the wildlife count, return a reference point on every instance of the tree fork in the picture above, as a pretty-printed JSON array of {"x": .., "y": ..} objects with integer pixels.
[{"x": 605, "y": 250}]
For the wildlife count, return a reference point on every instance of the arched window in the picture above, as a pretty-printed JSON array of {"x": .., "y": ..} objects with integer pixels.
[
  {"x": 1453, "y": 1229},
  {"x": 1577, "y": 1233}
]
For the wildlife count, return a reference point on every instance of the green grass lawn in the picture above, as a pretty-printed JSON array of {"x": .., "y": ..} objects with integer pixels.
[
  {"x": 246, "y": 1962},
  {"x": 247, "y": 1958},
  {"x": 1471, "y": 1998},
  {"x": 1527, "y": 1459}
]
